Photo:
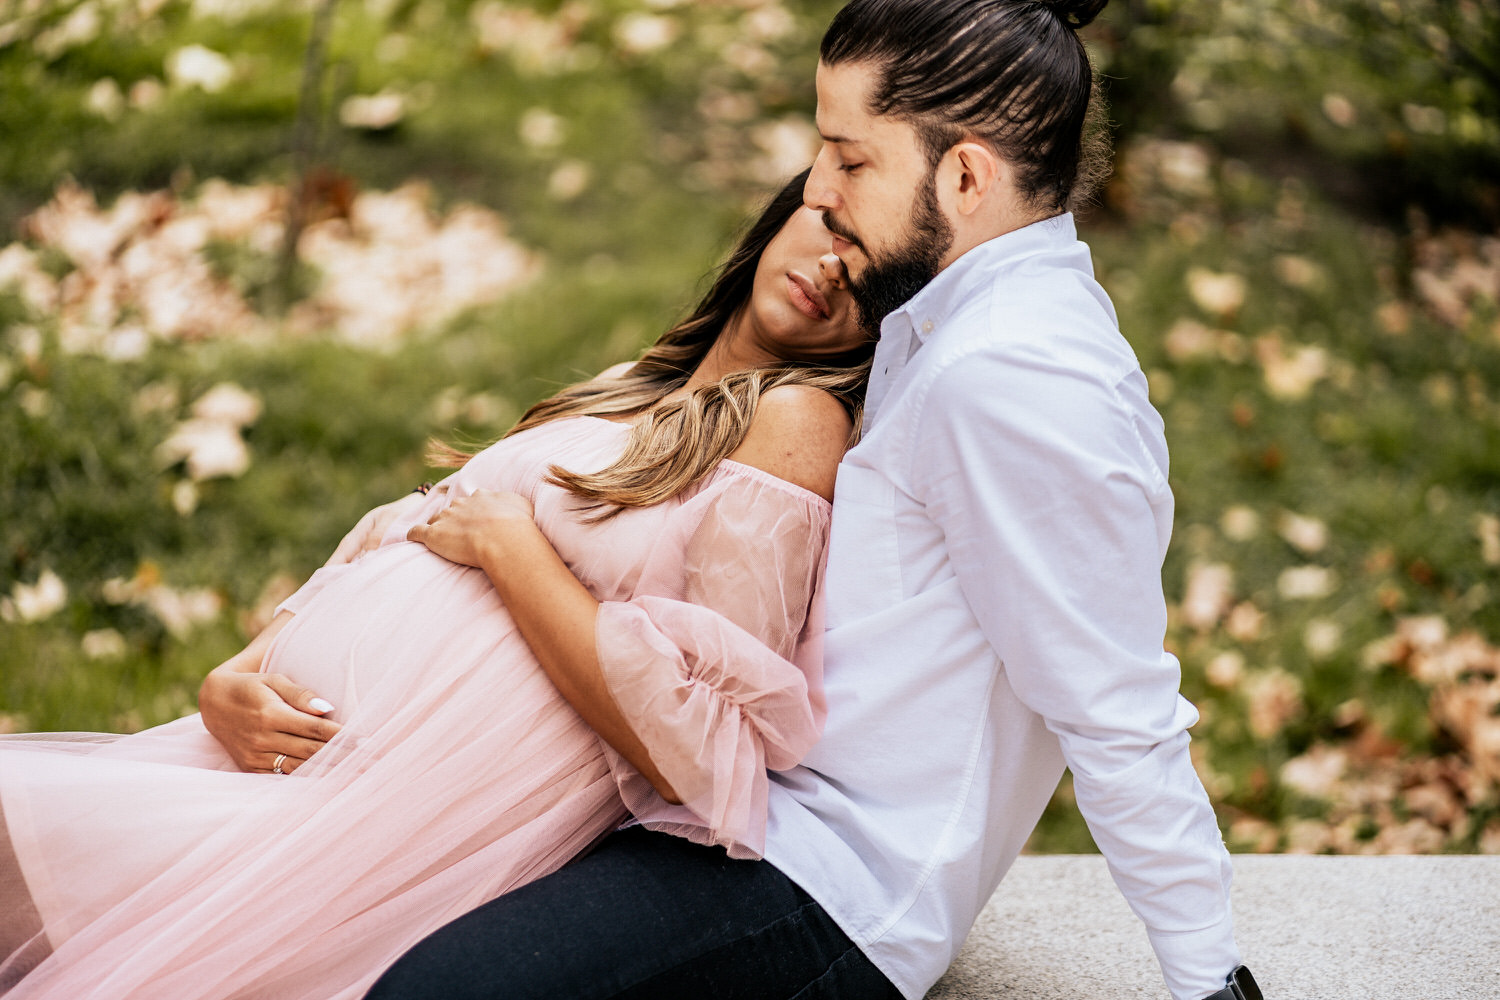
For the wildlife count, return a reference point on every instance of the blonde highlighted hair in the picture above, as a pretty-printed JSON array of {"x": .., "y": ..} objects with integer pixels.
[{"x": 672, "y": 445}]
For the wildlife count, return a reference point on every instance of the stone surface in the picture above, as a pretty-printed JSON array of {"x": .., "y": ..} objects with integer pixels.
[{"x": 1331, "y": 928}]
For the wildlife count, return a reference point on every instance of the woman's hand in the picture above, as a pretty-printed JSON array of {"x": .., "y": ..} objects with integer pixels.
[
  {"x": 477, "y": 530},
  {"x": 264, "y": 719},
  {"x": 366, "y": 534},
  {"x": 258, "y": 717}
]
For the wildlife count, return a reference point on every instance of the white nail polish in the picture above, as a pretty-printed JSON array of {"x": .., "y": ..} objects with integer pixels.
[{"x": 319, "y": 705}]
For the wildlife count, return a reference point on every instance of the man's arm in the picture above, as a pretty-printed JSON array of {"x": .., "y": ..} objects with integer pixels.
[{"x": 1050, "y": 488}]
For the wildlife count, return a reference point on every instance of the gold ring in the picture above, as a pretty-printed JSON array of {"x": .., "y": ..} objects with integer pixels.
[{"x": 276, "y": 767}]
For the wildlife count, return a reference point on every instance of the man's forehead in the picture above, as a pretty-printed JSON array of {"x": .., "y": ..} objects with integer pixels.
[{"x": 843, "y": 117}]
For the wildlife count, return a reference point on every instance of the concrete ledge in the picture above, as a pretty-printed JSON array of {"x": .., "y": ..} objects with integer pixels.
[{"x": 1332, "y": 928}]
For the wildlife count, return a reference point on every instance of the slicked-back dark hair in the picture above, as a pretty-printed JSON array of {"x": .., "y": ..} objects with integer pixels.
[{"x": 1010, "y": 72}]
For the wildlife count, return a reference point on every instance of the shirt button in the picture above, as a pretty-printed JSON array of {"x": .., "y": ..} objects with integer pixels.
[{"x": 927, "y": 326}]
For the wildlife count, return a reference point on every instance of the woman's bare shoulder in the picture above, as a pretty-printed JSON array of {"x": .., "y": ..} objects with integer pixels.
[{"x": 799, "y": 434}]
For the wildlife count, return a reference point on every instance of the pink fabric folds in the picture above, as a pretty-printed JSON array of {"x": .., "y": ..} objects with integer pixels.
[
  {"x": 159, "y": 872},
  {"x": 698, "y": 659}
]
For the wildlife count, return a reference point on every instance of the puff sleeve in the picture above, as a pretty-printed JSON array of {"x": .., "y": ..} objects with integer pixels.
[{"x": 716, "y": 659}]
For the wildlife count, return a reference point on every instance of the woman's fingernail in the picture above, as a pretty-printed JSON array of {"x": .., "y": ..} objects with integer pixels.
[{"x": 319, "y": 705}]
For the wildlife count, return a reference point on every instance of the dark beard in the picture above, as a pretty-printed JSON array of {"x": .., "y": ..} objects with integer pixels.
[{"x": 891, "y": 279}]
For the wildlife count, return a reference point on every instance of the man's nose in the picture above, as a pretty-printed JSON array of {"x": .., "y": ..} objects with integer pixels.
[
  {"x": 832, "y": 270},
  {"x": 818, "y": 193}
]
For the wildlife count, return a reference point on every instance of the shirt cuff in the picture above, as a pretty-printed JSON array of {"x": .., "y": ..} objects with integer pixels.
[{"x": 1196, "y": 963}]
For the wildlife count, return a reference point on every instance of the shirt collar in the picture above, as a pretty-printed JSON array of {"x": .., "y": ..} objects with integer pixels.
[{"x": 927, "y": 309}]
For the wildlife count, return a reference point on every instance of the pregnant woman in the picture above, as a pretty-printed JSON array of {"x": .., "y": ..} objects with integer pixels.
[{"x": 648, "y": 543}]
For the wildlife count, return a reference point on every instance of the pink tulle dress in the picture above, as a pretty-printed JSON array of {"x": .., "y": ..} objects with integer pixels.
[{"x": 147, "y": 866}]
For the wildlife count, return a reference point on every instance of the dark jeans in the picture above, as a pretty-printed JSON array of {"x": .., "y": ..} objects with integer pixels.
[{"x": 646, "y": 916}]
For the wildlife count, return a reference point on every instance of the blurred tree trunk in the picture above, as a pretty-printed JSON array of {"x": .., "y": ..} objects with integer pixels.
[{"x": 305, "y": 142}]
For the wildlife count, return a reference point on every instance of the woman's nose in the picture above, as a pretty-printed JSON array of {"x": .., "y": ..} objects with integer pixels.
[{"x": 832, "y": 269}]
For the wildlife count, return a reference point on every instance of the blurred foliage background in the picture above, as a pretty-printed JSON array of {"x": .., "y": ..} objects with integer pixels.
[{"x": 1302, "y": 237}]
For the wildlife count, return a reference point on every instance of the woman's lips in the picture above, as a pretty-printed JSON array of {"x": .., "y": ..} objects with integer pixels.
[{"x": 806, "y": 297}]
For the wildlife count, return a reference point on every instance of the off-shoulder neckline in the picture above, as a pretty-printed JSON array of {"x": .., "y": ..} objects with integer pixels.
[
  {"x": 771, "y": 479},
  {"x": 731, "y": 465}
]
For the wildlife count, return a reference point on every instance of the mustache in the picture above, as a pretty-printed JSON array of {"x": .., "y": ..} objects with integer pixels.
[{"x": 843, "y": 232}]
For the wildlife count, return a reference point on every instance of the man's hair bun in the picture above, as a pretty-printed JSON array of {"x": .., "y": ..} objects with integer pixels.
[{"x": 1075, "y": 13}]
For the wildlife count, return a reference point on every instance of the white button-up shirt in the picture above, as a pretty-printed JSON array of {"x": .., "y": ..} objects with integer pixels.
[{"x": 995, "y": 612}]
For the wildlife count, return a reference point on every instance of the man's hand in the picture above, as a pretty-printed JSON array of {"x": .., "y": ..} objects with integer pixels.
[
  {"x": 258, "y": 717},
  {"x": 366, "y": 534}
]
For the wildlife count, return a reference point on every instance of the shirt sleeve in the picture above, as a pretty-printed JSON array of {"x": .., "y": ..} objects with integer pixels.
[
  {"x": 1049, "y": 484},
  {"x": 716, "y": 663}
]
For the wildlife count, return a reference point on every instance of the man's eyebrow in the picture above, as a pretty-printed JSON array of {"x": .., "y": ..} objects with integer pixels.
[{"x": 839, "y": 140}]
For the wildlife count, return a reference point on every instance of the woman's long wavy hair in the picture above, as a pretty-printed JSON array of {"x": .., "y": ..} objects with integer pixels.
[{"x": 672, "y": 445}]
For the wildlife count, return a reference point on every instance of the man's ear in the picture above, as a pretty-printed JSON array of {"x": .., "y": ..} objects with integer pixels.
[{"x": 971, "y": 172}]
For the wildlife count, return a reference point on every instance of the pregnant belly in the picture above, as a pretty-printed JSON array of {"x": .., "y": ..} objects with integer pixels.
[{"x": 396, "y": 621}]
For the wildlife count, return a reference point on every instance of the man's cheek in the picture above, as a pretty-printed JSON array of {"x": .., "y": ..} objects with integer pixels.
[{"x": 856, "y": 265}]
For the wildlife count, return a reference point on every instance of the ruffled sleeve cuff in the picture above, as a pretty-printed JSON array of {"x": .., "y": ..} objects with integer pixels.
[{"x": 713, "y": 706}]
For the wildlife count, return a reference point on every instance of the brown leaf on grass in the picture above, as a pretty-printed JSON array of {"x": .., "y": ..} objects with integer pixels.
[
  {"x": 1394, "y": 318},
  {"x": 34, "y": 602},
  {"x": 536, "y": 44},
  {"x": 1415, "y": 836},
  {"x": 394, "y": 267},
  {"x": 142, "y": 267},
  {"x": 1463, "y": 672},
  {"x": 1435, "y": 802},
  {"x": 1456, "y": 272},
  {"x": 1306, "y": 583},
  {"x": 1317, "y": 772},
  {"x": 1245, "y": 622},
  {"x": 1209, "y": 591},
  {"x": 1189, "y": 340},
  {"x": 1299, "y": 272},
  {"x": 1305, "y": 533},
  {"x": 1218, "y": 293},
  {"x": 179, "y": 610},
  {"x": 139, "y": 272},
  {"x": 1308, "y": 836},
  {"x": 1487, "y": 527},
  {"x": 1225, "y": 670},
  {"x": 1275, "y": 698},
  {"x": 1239, "y": 523},
  {"x": 1254, "y": 835},
  {"x": 1469, "y": 709},
  {"x": 1291, "y": 370},
  {"x": 19, "y": 271}
]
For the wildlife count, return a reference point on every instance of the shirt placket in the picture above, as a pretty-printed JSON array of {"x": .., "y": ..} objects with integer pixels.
[{"x": 897, "y": 344}]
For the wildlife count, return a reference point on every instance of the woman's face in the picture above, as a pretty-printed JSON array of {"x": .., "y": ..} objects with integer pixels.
[{"x": 800, "y": 306}]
